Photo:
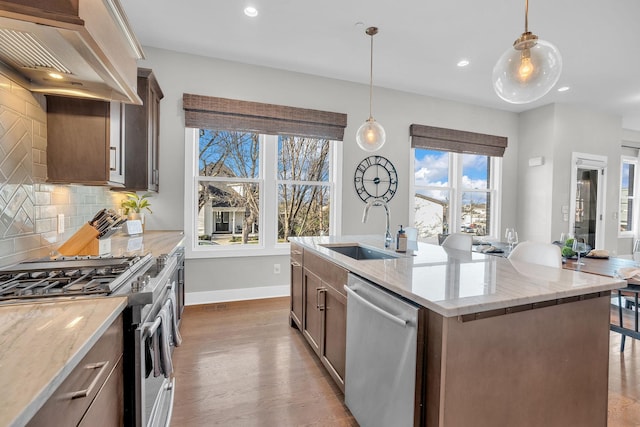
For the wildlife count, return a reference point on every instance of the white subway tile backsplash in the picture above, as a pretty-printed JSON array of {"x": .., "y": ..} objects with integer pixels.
[
  {"x": 35, "y": 112},
  {"x": 11, "y": 102},
  {"x": 27, "y": 243},
  {"x": 6, "y": 247}
]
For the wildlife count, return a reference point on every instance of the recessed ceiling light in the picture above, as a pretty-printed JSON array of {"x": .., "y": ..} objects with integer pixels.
[
  {"x": 463, "y": 63},
  {"x": 251, "y": 11},
  {"x": 56, "y": 76},
  {"x": 563, "y": 88}
]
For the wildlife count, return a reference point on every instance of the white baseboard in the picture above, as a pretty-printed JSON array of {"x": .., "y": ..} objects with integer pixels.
[{"x": 226, "y": 295}]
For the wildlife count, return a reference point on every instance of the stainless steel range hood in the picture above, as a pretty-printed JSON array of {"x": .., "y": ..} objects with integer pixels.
[{"x": 80, "y": 48}]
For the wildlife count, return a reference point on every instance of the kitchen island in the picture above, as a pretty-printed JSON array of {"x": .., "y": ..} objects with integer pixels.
[{"x": 505, "y": 343}]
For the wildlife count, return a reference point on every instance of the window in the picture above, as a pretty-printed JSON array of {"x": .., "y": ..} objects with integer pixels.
[
  {"x": 454, "y": 192},
  {"x": 251, "y": 192},
  {"x": 456, "y": 182},
  {"x": 627, "y": 223},
  {"x": 257, "y": 174},
  {"x": 304, "y": 188}
]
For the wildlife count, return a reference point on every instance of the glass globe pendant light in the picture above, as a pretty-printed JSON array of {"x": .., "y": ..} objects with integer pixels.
[
  {"x": 371, "y": 135},
  {"x": 528, "y": 70}
]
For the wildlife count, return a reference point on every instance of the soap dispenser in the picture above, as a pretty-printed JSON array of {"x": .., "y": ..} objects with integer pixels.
[{"x": 401, "y": 241}]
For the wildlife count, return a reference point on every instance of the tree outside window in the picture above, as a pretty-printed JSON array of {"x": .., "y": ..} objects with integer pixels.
[{"x": 232, "y": 174}]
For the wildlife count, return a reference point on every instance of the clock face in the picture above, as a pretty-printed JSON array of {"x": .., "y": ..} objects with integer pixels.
[{"x": 376, "y": 178}]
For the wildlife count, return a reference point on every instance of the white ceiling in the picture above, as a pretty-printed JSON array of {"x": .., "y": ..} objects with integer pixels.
[{"x": 418, "y": 45}]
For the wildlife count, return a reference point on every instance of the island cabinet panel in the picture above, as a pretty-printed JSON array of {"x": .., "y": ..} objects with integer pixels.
[
  {"x": 312, "y": 323},
  {"x": 540, "y": 367},
  {"x": 324, "y": 312},
  {"x": 296, "y": 285},
  {"x": 333, "y": 354},
  {"x": 92, "y": 394}
]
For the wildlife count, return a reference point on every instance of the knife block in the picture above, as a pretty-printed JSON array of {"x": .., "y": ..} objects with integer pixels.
[{"x": 83, "y": 242}]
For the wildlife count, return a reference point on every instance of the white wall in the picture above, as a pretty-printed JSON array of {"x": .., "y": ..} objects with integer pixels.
[
  {"x": 556, "y": 131},
  {"x": 180, "y": 73},
  {"x": 535, "y": 183}
]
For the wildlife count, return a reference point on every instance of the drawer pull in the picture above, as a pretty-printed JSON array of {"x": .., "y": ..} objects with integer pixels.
[{"x": 100, "y": 366}]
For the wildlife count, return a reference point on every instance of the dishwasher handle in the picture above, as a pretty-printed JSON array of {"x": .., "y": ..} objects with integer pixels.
[{"x": 386, "y": 314}]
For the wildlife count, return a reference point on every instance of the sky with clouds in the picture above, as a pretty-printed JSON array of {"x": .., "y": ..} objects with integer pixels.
[{"x": 432, "y": 169}]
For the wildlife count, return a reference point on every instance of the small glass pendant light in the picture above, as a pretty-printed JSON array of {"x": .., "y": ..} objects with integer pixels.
[
  {"x": 528, "y": 70},
  {"x": 371, "y": 135}
]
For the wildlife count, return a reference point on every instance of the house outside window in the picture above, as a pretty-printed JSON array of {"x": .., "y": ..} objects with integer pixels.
[
  {"x": 628, "y": 208},
  {"x": 253, "y": 191},
  {"x": 455, "y": 192}
]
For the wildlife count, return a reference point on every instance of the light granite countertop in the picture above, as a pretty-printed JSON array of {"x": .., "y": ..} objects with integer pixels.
[
  {"x": 41, "y": 343},
  {"x": 154, "y": 242},
  {"x": 454, "y": 283}
]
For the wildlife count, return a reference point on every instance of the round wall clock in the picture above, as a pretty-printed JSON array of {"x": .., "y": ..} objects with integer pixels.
[{"x": 376, "y": 178}]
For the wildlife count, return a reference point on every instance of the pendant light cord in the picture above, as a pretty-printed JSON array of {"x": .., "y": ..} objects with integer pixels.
[
  {"x": 371, "y": 80},
  {"x": 526, "y": 16}
]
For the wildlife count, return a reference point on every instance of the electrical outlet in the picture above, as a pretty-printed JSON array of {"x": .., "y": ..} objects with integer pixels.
[
  {"x": 276, "y": 268},
  {"x": 60, "y": 223}
]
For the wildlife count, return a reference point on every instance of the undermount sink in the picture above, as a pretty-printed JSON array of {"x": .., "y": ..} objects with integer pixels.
[{"x": 359, "y": 252}]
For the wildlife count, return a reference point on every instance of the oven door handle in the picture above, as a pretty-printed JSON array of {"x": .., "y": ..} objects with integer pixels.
[{"x": 150, "y": 328}]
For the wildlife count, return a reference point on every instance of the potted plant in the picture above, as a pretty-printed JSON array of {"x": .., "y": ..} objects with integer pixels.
[{"x": 134, "y": 205}]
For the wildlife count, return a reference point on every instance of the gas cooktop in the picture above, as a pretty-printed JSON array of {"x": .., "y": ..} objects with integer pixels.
[{"x": 69, "y": 276}]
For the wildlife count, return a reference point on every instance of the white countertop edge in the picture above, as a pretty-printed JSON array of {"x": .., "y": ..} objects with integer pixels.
[
  {"x": 41, "y": 398},
  {"x": 444, "y": 310},
  {"x": 315, "y": 244}
]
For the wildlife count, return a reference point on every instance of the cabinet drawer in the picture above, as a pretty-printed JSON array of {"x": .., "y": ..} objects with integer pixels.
[
  {"x": 70, "y": 401},
  {"x": 330, "y": 273},
  {"x": 107, "y": 409}
]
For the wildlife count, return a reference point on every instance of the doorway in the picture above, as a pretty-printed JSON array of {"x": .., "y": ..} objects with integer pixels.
[{"x": 587, "y": 197}]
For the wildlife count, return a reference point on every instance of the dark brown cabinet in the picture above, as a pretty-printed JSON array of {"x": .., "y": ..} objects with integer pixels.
[
  {"x": 312, "y": 323},
  {"x": 324, "y": 313},
  {"x": 142, "y": 131},
  {"x": 333, "y": 354},
  {"x": 85, "y": 141}
]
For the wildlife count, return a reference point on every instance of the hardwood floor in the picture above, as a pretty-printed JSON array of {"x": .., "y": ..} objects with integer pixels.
[{"x": 241, "y": 364}]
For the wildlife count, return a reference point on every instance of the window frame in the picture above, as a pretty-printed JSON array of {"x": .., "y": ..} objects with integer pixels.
[
  {"x": 456, "y": 189},
  {"x": 268, "y": 187},
  {"x": 634, "y": 214}
]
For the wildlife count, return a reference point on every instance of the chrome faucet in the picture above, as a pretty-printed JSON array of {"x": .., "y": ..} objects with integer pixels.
[{"x": 379, "y": 202}]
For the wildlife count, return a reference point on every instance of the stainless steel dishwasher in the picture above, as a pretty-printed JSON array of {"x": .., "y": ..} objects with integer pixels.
[{"x": 384, "y": 383}]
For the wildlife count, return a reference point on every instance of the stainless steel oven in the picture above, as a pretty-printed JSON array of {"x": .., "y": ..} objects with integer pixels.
[
  {"x": 152, "y": 319},
  {"x": 155, "y": 334}
]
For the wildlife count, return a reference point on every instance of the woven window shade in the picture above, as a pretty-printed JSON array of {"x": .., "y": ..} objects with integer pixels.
[
  {"x": 245, "y": 116},
  {"x": 457, "y": 141}
]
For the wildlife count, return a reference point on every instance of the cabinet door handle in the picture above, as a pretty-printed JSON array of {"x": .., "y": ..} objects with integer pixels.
[
  {"x": 113, "y": 160},
  {"x": 100, "y": 367},
  {"x": 318, "y": 292}
]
